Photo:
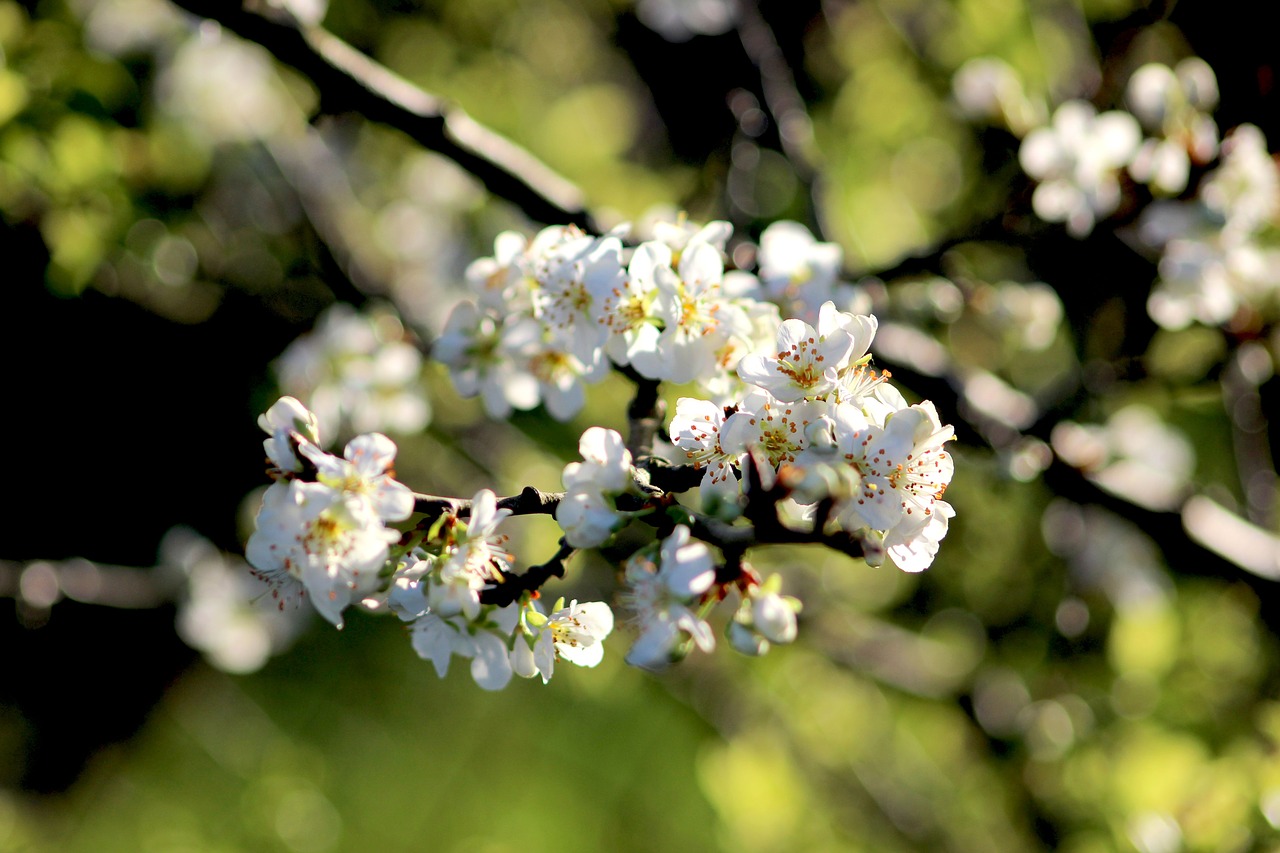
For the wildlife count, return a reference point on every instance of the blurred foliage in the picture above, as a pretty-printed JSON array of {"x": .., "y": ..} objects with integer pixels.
[{"x": 175, "y": 209}]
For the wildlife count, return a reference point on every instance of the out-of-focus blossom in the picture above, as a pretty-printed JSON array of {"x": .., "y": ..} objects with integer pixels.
[
  {"x": 681, "y": 20},
  {"x": 1173, "y": 103},
  {"x": 1077, "y": 159},
  {"x": 797, "y": 271},
  {"x": 120, "y": 27},
  {"x": 1245, "y": 189},
  {"x": 1136, "y": 455},
  {"x": 489, "y": 359},
  {"x": 988, "y": 89},
  {"x": 764, "y": 618},
  {"x": 661, "y": 595},
  {"x": 356, "y": 371},
  {"x": 227, "y": 88},
  {"x": 224, "y": 615},
  {"x": 1219, "y": 254}
]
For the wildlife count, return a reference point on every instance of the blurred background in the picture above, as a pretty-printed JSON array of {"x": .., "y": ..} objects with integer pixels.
[{"x": 1090, "y": 664}]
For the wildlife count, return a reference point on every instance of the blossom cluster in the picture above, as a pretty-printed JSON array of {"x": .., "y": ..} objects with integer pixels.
[
  {"x": 325, "y": 537},
  {"x": 796, "y": 399},
  {"x": 1220, "y": 252},
  {"x": 437, "y": 589},
  {"x": 324, "y": 533},
  {"x": 1220, "y": 249},
  {"x": 553, "y": 312},
  {"x": 837, "y": 432},
  {"x": 357, "y": 372},
  {"x": 805, "y": 396}
]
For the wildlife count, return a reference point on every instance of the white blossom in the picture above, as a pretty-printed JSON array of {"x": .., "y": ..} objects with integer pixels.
[
  {"x": 1076, "y": 160},
  {"x": 660, "y": 595},
  {"x": 707, "y": 319},
  {"x": 636, "y": 308},
  {"x": 562, "y": 377},
  {"x": 313, "y": 534},
  {"x": 586, "y": 513},
  {"x": 695, "y": 429},
  {"x": 471, "y": 559},
  {"x": 502, "y": 283},
  {"x": 355, "y": 370},
  {"x": 289, "y": 424},
  {"x": 488, "y": 358},
  {"x": 484, "y": 640},
  {"x": 575, "y": 633},
  {"x": 365, "y": 472},
  {"x": 911, "y": 545},
  {"x": 568, "y": 276},
  {"x": 903, "y": 466},
  {"x": 809, "y": 361},
  {"x": 606, "y": 464},
  {"x": 776, "y": 428},
  {"x": 587, "y": 518}
]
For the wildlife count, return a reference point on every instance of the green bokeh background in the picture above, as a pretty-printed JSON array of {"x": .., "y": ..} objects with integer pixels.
[{"x": 948, "y": 711}]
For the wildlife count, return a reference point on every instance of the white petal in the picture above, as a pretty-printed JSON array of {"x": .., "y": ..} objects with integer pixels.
[{"x": 491, "y": 666}]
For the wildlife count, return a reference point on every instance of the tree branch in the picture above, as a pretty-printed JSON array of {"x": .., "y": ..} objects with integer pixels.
[
  {"x": 531, "y": 501},
  {"x": 349, "y": 80},
  {"x": 514, "y": 585},
  {"x": 42, "y": 583}
]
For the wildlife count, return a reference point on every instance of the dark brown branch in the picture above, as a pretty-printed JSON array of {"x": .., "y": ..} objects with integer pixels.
[
  {"x": 672, "y": 478},
  {"x": 349, "y": 80},
  {"x": 645, "y": 415},
  {"x": 513, "y": 585},
  {"x": 736, "y": 540},
  {"x": 531, "y": 501},
  {"x": 763, "y": 496}
]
